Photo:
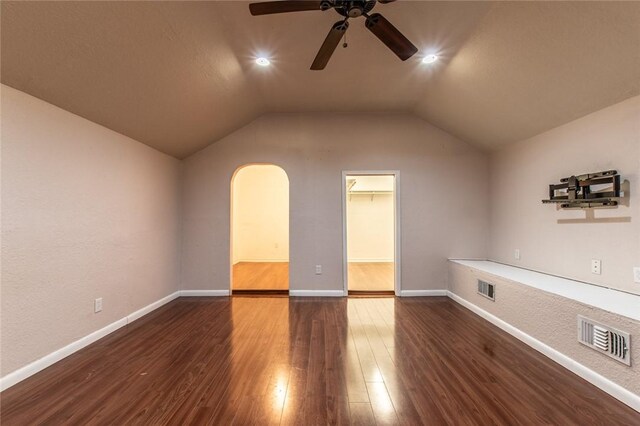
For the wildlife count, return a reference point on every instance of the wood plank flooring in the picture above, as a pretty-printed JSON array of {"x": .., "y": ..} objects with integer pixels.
[
  {"x": 261, "y": 276},
  {"x": 303, "y": 361},
  {"x": 371, "y": 276},
  {"x": 363, "y": 276}
]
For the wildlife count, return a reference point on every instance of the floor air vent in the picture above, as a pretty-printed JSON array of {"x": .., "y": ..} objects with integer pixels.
[
  {"x": 605, "y": 339},
  {"x": 487, "y": 290}
]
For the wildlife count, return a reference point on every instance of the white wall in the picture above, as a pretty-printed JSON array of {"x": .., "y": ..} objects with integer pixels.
[
  {"x": 370, "y": 220},
  {"x": 260, "y": 214},
  {"x": 563, "y": 242},
  {"x": 86, "y": 213},
  {"x": 444, "y": 194}
]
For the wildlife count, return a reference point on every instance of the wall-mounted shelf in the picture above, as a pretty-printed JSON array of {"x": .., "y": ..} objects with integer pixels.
[{"x": 371, "y": 193}]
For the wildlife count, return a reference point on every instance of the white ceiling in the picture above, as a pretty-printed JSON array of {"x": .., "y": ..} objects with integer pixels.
[{"x": 180, "y": 75}]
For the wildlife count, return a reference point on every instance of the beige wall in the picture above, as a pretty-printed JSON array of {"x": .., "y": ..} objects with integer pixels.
[
  {"x": 260, "y": 214},
  {"x": 563, "y": 242},
  {"x": 443, "y": 194},
  {"x": 370, "y": 220},
  {"x": 86, "y": 213},
  {"x": 550, "y": 319}
]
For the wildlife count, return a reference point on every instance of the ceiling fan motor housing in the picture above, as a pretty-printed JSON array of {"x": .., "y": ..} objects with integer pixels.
[{"x": 354, "y": 8}]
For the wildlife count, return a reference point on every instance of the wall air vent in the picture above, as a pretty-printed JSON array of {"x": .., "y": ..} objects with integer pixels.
[
  {"x": 604, "y": 339},
  {"x": 487, "y": 290}
]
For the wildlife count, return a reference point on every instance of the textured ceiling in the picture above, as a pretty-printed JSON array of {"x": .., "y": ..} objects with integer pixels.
[{"x": 180, "y": 75}]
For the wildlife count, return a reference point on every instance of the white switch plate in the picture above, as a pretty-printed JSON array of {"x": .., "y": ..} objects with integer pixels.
[
  {"x": 636, "y": 274},
  {"x": 97, "y": 305},
  {"x": 318, "y": 269},
  {"x": 516, "y": 254},
  {"x": 596, "y": 266}
]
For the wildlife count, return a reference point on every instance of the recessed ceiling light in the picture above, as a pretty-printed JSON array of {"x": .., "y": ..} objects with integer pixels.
[
  {"x": 263, "y": 62},
  {"x": 429, "y": 59}
]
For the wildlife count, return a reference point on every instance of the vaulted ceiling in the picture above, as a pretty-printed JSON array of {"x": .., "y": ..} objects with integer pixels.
[{"x": 180, "y": 75}]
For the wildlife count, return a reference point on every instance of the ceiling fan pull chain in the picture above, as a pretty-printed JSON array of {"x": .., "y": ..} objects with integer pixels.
[{"x": 345, "y": 44}]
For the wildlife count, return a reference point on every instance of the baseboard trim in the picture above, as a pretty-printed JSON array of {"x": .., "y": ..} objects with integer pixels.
[
  {"x": 40, "y": 364},
  {"x": 615, "y": 390},
  {"x": 198, "y": 293},
  {"x": 376, "y": 260},
  {"x": 151, "y": 307},
  {"x": 316, "y": 293},
  {"x": 419, "y": 293}
]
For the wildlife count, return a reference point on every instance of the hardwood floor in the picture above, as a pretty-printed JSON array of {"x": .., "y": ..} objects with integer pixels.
[
  {"x": 261, "y": 276},
  {"x": 303, "y": 361},
  {"x": 371, "y": 276}
]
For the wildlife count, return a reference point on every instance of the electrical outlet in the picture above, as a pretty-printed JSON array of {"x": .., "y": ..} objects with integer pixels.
[
  {"x": 516, "y": 254},
  {"x": 636, "y": 274},
  {"x": 97, "y": 305},
  {"x": 318, "y": 269},
  {"x": 596, "y": 266}
]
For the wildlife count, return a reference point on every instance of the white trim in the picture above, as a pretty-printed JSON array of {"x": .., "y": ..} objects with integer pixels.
[
  {"x": 280, "y": 260},
  {"x": 417, "y": 293},
  {"x": 316, "y": 293},
  {"x": 196, "y": 293},
  {"x": 397, "y": 227},
  {"x": 151, "y": 307},
  {"x": 40, "y": 364},
  {"x": 378, "y": 260},
  {"x": 610, "y": 387}
]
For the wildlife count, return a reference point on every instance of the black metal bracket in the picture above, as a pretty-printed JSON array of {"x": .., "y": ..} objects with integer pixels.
[{"x": 590, "y": 190}]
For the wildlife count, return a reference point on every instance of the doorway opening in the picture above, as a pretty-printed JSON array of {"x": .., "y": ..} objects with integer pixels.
[
  {"x": 260, "y": 230},
  {"x": 370, "y": 233}
]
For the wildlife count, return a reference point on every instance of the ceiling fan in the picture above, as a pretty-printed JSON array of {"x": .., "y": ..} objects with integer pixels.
[{"x": 376, "y": 23}]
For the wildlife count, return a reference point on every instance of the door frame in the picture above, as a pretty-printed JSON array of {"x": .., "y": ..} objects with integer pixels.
[{"x": 396, "y": 219}]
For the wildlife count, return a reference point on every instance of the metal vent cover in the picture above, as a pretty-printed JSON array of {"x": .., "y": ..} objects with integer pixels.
[
  {"x": 487, "y": 290},
  {"x": 604, "y": 339}
]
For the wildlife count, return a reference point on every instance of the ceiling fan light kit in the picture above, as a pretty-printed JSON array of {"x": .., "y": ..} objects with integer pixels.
[{"x": 376, "y": 23}]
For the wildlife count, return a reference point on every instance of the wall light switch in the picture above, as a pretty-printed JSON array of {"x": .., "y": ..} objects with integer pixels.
[
  {"x": 516, "y": 254},
  {"x": 318, "y": 269},
  {"x": 636, "y": 274},
  {"x": 596, "y": 266},
  {"x": 97, "y": 305}
]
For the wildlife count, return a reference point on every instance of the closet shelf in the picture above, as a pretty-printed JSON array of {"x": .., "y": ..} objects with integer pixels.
[{"x": 371, "y": 193}]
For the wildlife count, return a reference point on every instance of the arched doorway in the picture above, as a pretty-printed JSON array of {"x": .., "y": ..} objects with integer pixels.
[{"x": 260, "y": 230}]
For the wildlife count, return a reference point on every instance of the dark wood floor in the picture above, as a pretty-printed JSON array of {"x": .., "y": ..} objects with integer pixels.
[{"x": 307, "y": 361}]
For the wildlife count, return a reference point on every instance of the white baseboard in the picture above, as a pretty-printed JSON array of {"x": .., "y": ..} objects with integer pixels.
[
  {"x": 50, "y": 359},
  {"x": 151, "y": 307},
  {"x": 622, "y": 394},
  {"x": 416, "y": 293},
  {"x": 279, "y": 260},
  {"x": 316, "y": 293},
  {"x": 193, "y": 293}
]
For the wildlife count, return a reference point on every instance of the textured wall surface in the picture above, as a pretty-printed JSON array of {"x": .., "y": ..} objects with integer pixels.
[
  {"x": 443, "y": 194},
  {"x": 563, "y": 242},
  {"x": 551, "y": 319},
  {"x": 86, "y": 213}
]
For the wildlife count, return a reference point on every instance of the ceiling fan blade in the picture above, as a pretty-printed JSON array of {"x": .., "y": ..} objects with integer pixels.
[
  {"x": 329, "y": 45},
  {"x": 386, "y": 1},
  {"x": 390, "y": 36},
  {"x": 283, "y": 6}
]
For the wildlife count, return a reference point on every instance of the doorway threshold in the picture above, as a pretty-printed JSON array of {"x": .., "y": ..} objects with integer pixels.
[
  {"x": 248, "y": 292},
  {"x": 373, "y": 293}
]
